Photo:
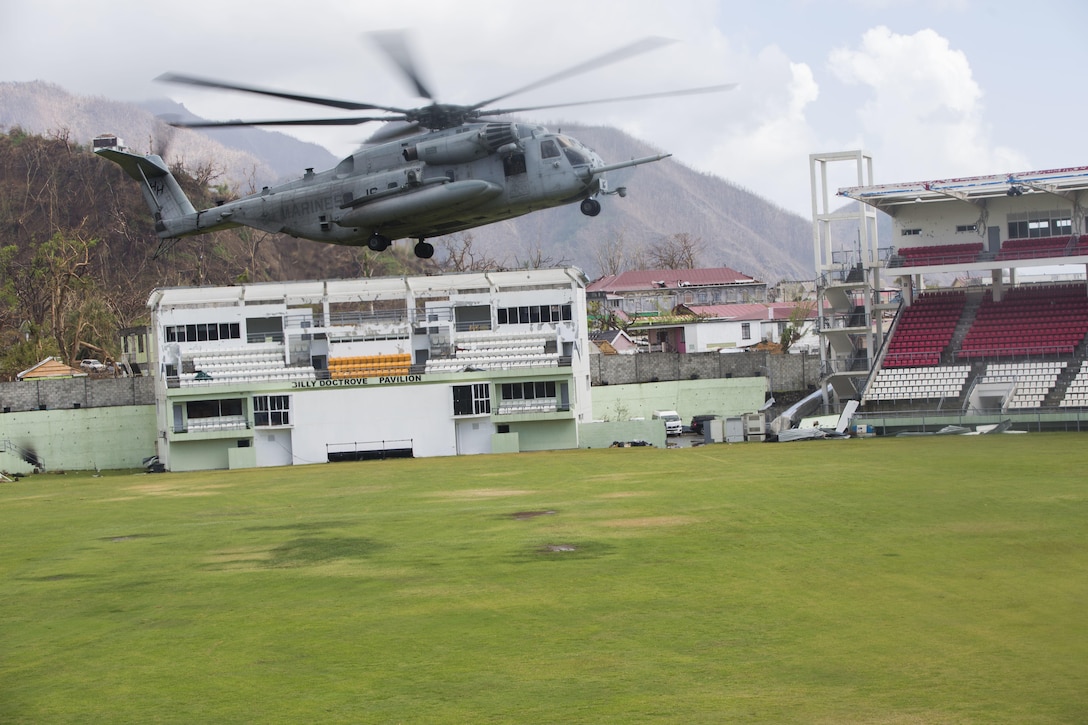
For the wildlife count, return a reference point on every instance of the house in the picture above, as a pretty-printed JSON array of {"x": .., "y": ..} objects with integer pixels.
[
  {"x": 723, "y": 328},
  {"x": 613, "y": 342},
  {"x": 655, "y": 292},
  {"x": 50, "y": 369}
]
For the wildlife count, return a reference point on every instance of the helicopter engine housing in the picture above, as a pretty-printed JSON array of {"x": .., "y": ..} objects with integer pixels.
[{"x": 460, "y": 148}]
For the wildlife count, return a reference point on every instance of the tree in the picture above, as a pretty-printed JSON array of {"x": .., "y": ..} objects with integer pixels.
[
  {"x": 676, "y": 251},
  {"x": 795, "y": 329},
  {"x": 462, "y": 254},
  {"x": 51, "y": 287},
  {"x": 536, "y": 258},
  {"x": 612, "y": 255}
]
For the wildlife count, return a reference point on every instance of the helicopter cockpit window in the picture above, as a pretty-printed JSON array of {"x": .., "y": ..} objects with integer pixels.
[
  {"x": 573, "y": 156},
  {"x": 548, "y": 149}
]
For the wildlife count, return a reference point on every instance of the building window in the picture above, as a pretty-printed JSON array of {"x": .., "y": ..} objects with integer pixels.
[
  {"x": 472, "y": 399},
  {"x": 532, "y": 314},
  {"x": 964, "y": 228},
  {"x": 271, "y": 410},
  {"x": 528, "y": 391},
  {"x": 911, "y": 232},
  {"x": 196, "y": 409},
  {"x": 1033, "y": 225},
  {"x": 746, "y": 330},
  {"x": 203, "y": 332}
]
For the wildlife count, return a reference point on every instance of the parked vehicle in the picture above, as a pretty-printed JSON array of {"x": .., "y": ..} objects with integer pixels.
[
  {"x": 698, "y": 421},
  {"x": 91, "y": 365},
  {"x": 674, "y": 426}
]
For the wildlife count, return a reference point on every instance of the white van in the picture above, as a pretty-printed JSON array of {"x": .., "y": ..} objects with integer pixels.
[{"x": 673, "y": 425}]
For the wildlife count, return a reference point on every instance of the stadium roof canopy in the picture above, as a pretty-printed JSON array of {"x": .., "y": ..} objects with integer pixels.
[{"x": 1064, "y": 183}]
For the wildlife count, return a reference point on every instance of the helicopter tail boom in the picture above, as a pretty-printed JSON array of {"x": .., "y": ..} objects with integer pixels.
[{"x": 175, "y": 215}]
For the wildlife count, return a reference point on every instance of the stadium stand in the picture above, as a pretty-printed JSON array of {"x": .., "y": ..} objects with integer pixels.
[
  {"x": 936, "y": 254},
  {"x": 917, "y": 383},
  {"x": 256, "y": 362},
  {"x": 369, "y": 366},
  {"x": 1030, "y": 347},
  {"x": 1029, "y": 381},
  {"x": 1076, "y": 395},
  {"x": 925, "y": 329},
  {"x": 1045, "y": 320},
  {"x": 496, "y": 351},
  {"x": 1037, "y": 247}
]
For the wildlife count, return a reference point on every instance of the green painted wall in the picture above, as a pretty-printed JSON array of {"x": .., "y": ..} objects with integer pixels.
[
  {"x": 505, "y": 443},
  {"x": 546, "y": 435},
  {"x": 724, "y": 396},
  {"x": 82, "y": 439},
  {"x": 203, "y": 455},
  {"x": 603, "y": 435}
]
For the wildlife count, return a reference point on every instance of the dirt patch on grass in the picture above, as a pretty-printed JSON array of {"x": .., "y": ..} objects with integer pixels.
[
  {"x": 650, "y": 521},
  {"x": 531, "y": 514},
  {"x": 471, "y": 493},
  {"x": 617, "y": 476},
  {"x": 241, "y": 559},
  {"x": 166, "y": 489}
]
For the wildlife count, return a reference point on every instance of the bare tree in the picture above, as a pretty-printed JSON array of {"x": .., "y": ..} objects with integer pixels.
[
  {"x": 615, "y": 255},
  {"x": 677, "y": 251},
  {"x": 536, "y": 258},
  {"x": 461, "y": 254}
]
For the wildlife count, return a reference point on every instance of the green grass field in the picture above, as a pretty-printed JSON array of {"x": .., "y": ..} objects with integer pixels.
[{"x": 924, "y": 580}]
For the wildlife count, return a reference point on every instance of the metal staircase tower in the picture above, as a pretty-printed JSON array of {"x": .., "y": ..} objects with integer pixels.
[{"x": 848, "y": 262}]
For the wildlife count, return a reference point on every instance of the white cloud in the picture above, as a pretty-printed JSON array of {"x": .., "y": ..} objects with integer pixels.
[
  {"x": 925, "y": 115},
  {"x": 765, "y": 144}
]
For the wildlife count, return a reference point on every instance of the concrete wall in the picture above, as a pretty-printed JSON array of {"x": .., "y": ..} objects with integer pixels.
[
  {"x": 792, "y": 372},
  {"x": 84, "y": 439},
  {"x": 726, "y": 397},
  {"x": 546, "y": 435},
  {"x": 76, "y": 392},
  {"x": 604, "y": 434}
]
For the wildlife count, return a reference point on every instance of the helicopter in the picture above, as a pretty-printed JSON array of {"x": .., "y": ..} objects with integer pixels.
[{"x": 429, "y": 171}]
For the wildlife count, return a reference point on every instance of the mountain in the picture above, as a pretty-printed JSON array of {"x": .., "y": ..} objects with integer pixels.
[
  {"x": 738, "y": 229},
  {"x": 286, "y": 156},
  {"x": 734, "y": 227}
]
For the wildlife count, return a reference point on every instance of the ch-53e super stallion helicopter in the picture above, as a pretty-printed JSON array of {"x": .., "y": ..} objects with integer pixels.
[{"x": 435, "y": 170}]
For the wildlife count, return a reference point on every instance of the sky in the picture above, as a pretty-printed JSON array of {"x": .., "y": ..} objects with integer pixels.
[{"x": 931, "y": 89}]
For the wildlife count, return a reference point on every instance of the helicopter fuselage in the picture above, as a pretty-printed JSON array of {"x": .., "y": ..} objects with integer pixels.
[{"x": 443, "y": 182}]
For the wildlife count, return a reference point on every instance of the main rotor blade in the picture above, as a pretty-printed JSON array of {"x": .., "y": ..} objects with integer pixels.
[
  {"x": 639, "y": 47},
  {"x": 355, "y": 121},
  {"x": 394, "y": 44},
  {"x": 331, "y": 102},
  {"x": 394, "y": 131},
  {"x": 641, "y": 97}
]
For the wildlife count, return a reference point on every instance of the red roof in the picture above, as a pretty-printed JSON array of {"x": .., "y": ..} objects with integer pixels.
[{"x": 651, "y": 279}]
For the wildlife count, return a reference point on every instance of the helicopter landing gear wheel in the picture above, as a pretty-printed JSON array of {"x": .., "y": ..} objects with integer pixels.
[
  {"x": 424, "y": 250},
  {"x": 378, "y": 243},
  {"x": 590, "y": 207}
]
